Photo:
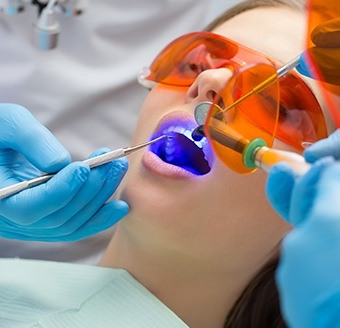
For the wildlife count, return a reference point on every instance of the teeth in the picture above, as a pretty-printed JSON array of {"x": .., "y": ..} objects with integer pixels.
[
  {"x": 168, "y": 130},
  {"x": 187, "y": 133},
  {"x": 169, "y": 158},
  {"x": 170, "y": 150},
  {"x": 178, "y": 129}
]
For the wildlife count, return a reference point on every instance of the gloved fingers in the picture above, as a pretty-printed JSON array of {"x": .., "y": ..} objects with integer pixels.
[
  {"x": 327, "y": 198},
  {"x": 309, "y": 252},
  {"x": 23, "y": 133},
  {"x": 327, "y": 34},
  {"x": 106, "y": 217},
  {"x": 304, "y": 192},
  {"x": 326, "y": 54},
  {"x": 14, "y": 234},
  {"x": 325, "y": 147},
  {"x": 86, "y": 193},
  {"x": 32, "y": 204},
  {"x": 327, "y": 61},
  {"x": 88, "y": 213},
  {"x": 60, "y": 210},
  {"x": 305, "y": 66},
  {"x": 14, "y": 168},
  {"x": 288, "y": 276},
  {"x": 279, "y": 188},
  {"x": 98, "y": 188}
]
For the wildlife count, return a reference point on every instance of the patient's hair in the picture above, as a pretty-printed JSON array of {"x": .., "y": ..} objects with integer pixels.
[
  {"x": 258, "y": 306},
  {"x": 252, "y": 4}
]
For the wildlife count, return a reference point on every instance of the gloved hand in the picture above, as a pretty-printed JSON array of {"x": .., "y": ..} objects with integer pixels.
[
  {"x": 69, "y": 207},
  {"x": 308, "y": 275},
  {"x": 326, "y": 52},
  {"x": 325, "y": 147},
  {"x": 290, "y": 195},
  {"x": 292, "y": 205}
]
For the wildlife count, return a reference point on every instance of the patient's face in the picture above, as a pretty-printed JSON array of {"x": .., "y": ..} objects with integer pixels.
[{"x": 211, "y": 215}]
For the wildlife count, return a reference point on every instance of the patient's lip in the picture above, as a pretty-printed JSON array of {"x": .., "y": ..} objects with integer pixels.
[{"x": 153, "y": 163}]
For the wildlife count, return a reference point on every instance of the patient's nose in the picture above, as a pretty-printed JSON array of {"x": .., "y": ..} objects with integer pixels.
[{"x": 208, "y": 84}]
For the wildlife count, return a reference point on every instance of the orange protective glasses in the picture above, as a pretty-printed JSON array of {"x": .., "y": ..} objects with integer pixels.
[{"x": 287, "y": 109}]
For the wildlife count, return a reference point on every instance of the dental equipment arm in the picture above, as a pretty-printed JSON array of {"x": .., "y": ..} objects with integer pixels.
[{"x": 92, "y": 162}]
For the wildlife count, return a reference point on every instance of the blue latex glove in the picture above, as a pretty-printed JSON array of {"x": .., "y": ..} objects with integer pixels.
[
  {"x": 326, "y": 53},
  {"x": 294, "y": 207},
  {"x": 292, "y": 196},
  {"x": 69, "y": 207},
  {"x": 325, "y": 147},
  {"x": 308, "y": 275}
]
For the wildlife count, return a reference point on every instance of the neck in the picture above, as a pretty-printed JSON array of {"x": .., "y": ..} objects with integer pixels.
[{"x": 198, "y": 294}]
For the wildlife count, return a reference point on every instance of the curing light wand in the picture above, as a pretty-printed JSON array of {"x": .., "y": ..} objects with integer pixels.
[
  {"x": 255, "y": 153},
  {"x": 92, "y": 162}
]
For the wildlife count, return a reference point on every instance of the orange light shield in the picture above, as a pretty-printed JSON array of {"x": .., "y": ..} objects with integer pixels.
[
  {"x": 290, "y": 110},
  {"x": 230, "y": 131},
  {"x": 321, "y": 11}
]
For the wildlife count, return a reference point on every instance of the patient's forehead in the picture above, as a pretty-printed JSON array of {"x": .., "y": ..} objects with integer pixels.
[{"x": 276, "y": 31}]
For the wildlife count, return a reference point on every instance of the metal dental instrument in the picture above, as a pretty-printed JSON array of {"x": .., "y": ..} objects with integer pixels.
[
  {"x": 92, "y": 162},
  {"x": 279, "y": 73}
]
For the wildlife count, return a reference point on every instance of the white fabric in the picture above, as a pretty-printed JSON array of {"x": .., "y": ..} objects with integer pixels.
[
  {"x": 85, "y": 91},
  {"x": 39, "y": 294}
]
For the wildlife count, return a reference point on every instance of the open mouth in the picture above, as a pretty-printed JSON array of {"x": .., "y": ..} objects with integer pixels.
[{"x": 181, "y": 150}]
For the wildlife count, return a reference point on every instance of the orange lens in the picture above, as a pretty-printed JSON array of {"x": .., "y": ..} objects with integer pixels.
[
  {"x": 185, "y": 58},
  {"x": 230, "y": 131},
  {"x": 325, "y": 12},
  {"x": 301, "y": 119}
]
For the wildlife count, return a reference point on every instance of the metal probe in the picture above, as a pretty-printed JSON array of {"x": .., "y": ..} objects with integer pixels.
[
  {"x": 92, "y": 162},
  {"x": 279, "y": 73}
]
